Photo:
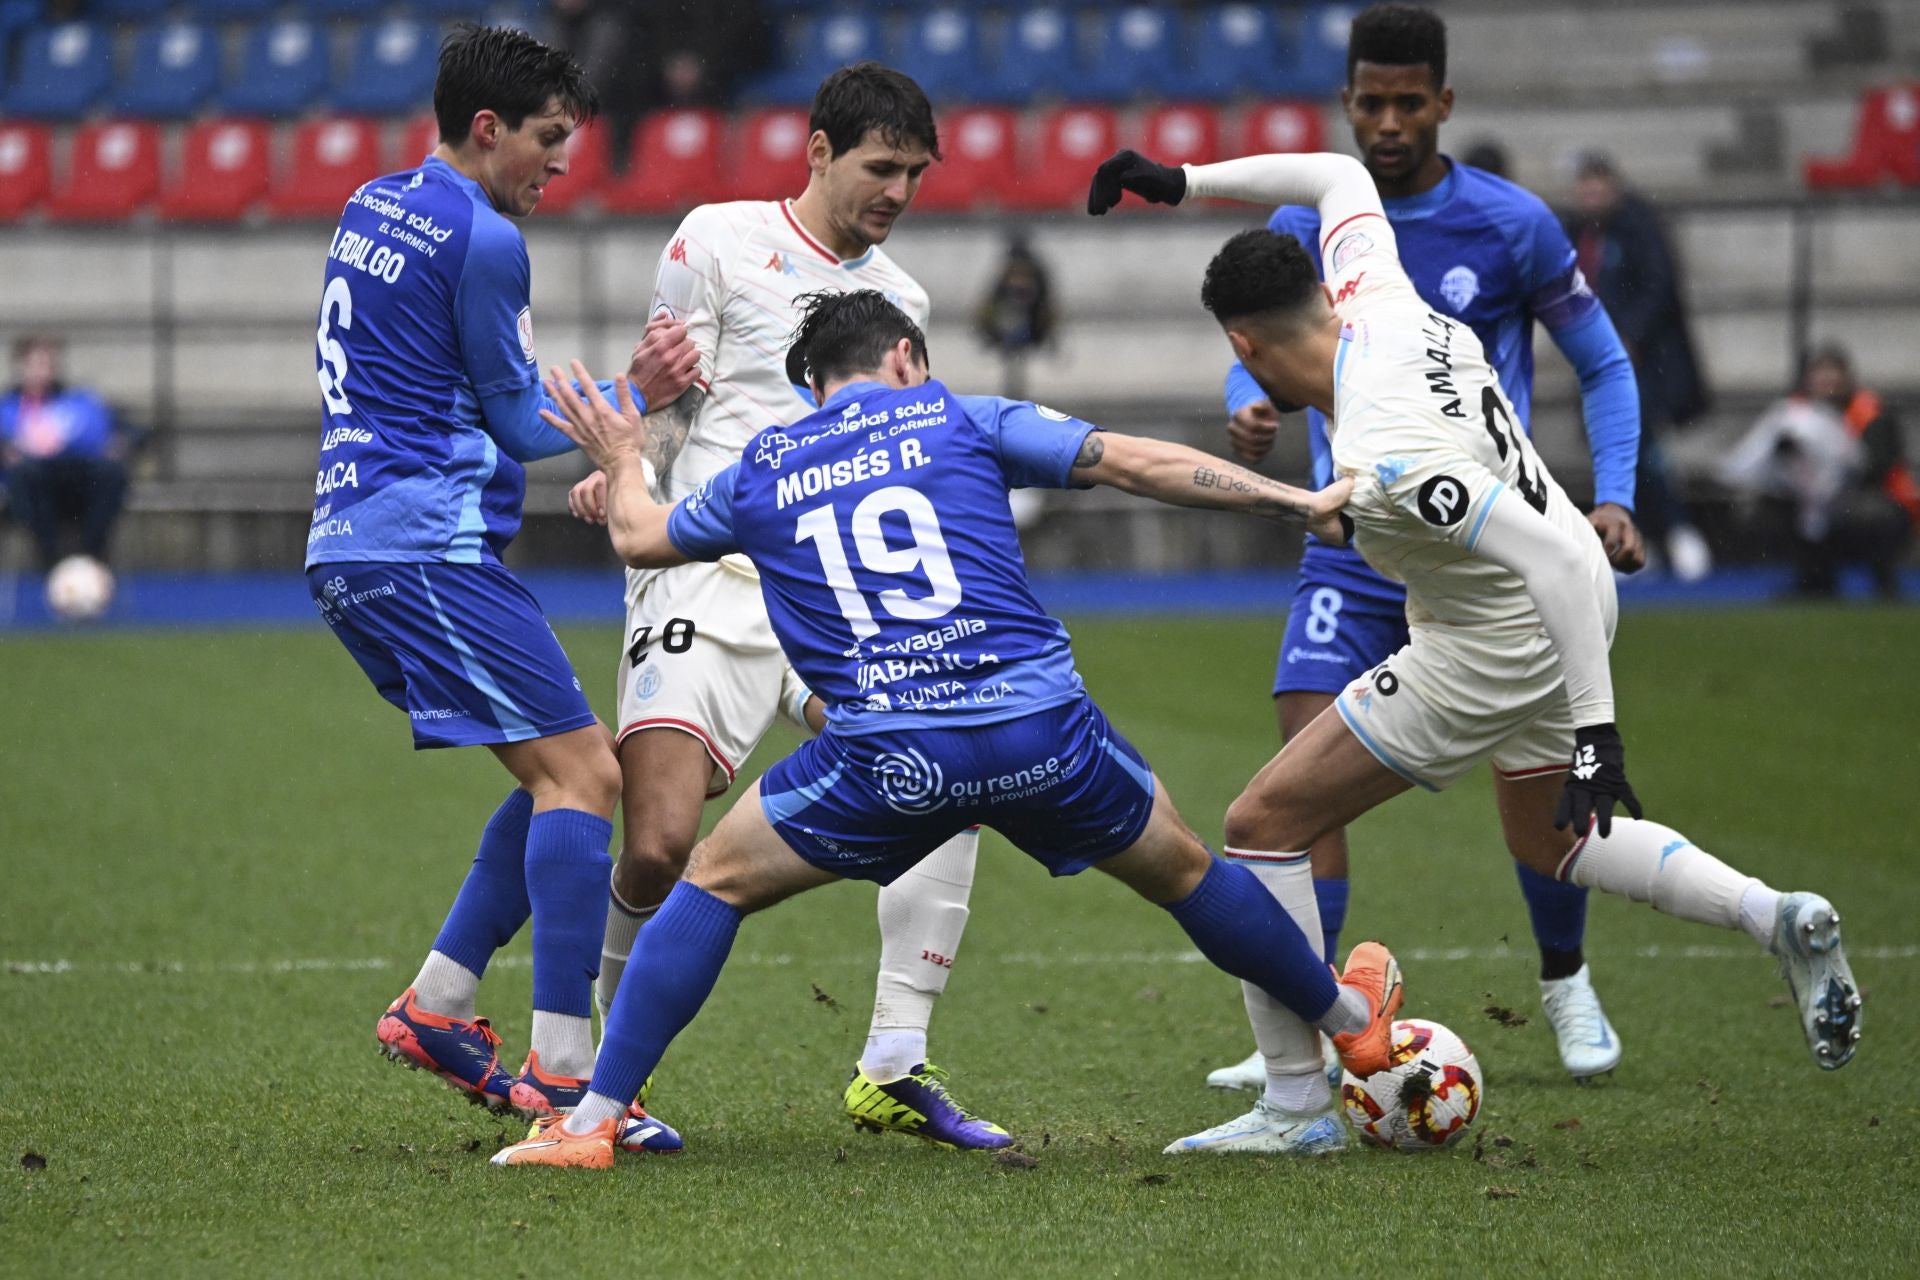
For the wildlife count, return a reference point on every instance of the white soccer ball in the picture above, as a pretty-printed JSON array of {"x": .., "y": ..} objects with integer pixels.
[
  {"x": 79, "y": 589},
  {"x": 1426, "y": 1099}
]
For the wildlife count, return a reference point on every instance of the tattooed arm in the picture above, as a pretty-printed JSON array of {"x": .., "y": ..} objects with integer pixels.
[
  {"x": 667, "y": 431},
  {"x": 1183, "y": 477}
]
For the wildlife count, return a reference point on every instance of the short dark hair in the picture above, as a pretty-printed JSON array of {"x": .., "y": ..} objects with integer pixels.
[
  {"x": 847, "y": 333},
  {"x": 507, "y": 72},
  {"x": 1259, "y": 273},
  {"x": 1399, "y": 35},
  {"x": 866, "y": 98}
]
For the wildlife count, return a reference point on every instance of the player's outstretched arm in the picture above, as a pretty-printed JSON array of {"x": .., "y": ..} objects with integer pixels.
[
  {"x": 614, "y": 438},
  {"x": 1184, "y": 477},
  {"x": 1338, "y": 186}
]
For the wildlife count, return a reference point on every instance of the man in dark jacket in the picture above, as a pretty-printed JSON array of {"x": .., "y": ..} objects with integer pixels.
[
  {"x": 1623, "y": 252},
  {"x": 62, "y": 455}
]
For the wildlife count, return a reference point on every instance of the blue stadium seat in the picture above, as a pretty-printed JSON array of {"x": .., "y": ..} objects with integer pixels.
[
  {"x": 229, "y": 10},
  {"x": 16, "y": 15},
  {"x": 826, "y": 43},
  {"x": 1239, "y": 52},
  {"x": 1139, "y": 50},
  {"x": 940, "y": 48},
  {"x": 1036, "y": 60},
  {"x": 393, "y": 69},
  {"x": 1319, "y": 62},
  {"x": 341, "y": 8},
  {"x": 176, "y": 67},
  {"x": 283, "y": 71},
  {"x": 127, "y": 8},
  {"x": 62, "y": 71}
]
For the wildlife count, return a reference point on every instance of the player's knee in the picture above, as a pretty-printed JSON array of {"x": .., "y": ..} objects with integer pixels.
[
  {"x": 650, "y": 862},
  {"x": 596, "y": 780},
  {"x": 1262, "y": 820}
]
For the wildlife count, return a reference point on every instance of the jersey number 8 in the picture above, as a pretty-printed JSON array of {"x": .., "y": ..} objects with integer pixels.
[{"x": 926, "y": 553}]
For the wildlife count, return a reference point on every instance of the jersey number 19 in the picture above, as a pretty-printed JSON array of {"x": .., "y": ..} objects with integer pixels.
[{"x": 927, "y": 553}]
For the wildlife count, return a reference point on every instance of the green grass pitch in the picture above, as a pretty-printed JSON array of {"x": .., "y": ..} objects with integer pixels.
[{"x": 221, "y": 860}]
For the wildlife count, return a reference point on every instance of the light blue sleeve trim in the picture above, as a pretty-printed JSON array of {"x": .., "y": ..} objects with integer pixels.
[{"x": 1480, "y": 520}]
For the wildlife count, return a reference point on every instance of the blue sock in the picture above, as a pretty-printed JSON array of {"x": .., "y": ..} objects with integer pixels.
[
  {"x": 1332, "y": 897},
  {"x": 493, "y": 902},
  {"x": 1239, "y": 926},
  {"x": 1559, "y": 909},
  {"x": 567, "y": 873},
  {"x": 675, "y": 963}
]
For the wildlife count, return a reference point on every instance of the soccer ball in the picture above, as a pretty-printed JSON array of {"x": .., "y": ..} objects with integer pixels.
[
  {"x": 79, "y": 589},
  {"x": 1426, "y": 1099}
]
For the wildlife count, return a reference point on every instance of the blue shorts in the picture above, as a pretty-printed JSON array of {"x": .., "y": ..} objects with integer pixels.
[
  {"x": 1061, "y": 783},
  {"x": 463, "y": 649},
  {"x": 1333, "y": 637}
]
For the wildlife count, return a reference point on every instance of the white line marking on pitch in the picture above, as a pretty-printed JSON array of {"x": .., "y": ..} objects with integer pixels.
[{"x": 782, "y": 960}]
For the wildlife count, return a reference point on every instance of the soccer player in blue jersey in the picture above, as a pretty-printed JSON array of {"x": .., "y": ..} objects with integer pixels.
[
  {"x": 432, "y": 406},
  {"x": 892, "y": 574},
  {"x": 1491, "y": 253}
]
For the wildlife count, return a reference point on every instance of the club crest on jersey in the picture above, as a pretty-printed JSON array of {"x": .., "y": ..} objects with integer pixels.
[
  {"x": 1351, "y": 246},
  {"x": 1460, "y": 286},
  {"x": 1442, "y": 501},
  {"x": 524, "y": 324},
  {"x": 772, "y": 447},
  {"x": 1055, "y": 414}
]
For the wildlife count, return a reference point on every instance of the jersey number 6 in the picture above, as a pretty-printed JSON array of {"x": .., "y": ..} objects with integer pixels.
[{"x": 926, "y": 553}]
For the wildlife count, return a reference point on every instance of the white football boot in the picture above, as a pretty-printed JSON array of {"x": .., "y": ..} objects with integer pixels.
[
  {"x": 1251, "y": 1072},
  {"x": 1588, "y": 1044},
  {"x": 1806, "y": 937},
  {"x": 1267, "y": 1130}
]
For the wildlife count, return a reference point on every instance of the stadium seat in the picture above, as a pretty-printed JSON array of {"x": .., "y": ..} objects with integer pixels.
[
  {"x": 1036, "y": 59},
  {"x": 1886, "y": 144},
  {"x": 283, "y": 71},
  {"x": 26, "y": 167},
  {"x": 1137, "y": 52},
  {"x": 1181, "y": 134},
  {"x": 587, "y": 167},
  {"x": 230, "y": 10},
  {"x": 769, "y": 156},
  {"x": 61, "y": 72},
  {"x": 328, "y": 159},
  {"x": 982, "y": 146},
  {"x": 1319, "y": 44},
  {"x": 940, "y": 48},
  {"x": 1239, "y": 52},
  {"x": 223, "y": 171},
  {"x": 112, "y": 170},
  {"x": 392, "y": 71},
  {"x": 128, "y": 8},
  {"x": 1073, "y": 141},
  {"x": 176, "y": 67},
  {"x": 675, "y": 164},
  {"x": 342, "y": 8},
  {"x": 827, "y": 44},
  {"x": 1280, "y": 126}
]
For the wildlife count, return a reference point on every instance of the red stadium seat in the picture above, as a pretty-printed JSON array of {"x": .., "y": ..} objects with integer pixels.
[
  {"x": 1073, "y": 142},
  {"x": 112, "y": 171},
  {"x": 223, "y": 171},
  {"x": 329, "y": 159},
  {"x": 418, "y": 136},
  {"x": 982, "y": 146},
  {"x": 769, "y": 156},
  {"x": 1886, "y": 143},
  {"x": 26, "y": 167},
  {"x": 1280, "y": 126},
  {"x": 674, "y": 165},
  {"x": 586, "y": 175},
  {"x": 1181, "y": 135}
]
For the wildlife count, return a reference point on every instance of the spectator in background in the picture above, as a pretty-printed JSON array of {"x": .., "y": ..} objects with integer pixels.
[
  {"x": 645, "y": 54},
  {"x": 1834, "y": 451},
  {"x": 62, "y": 455},
  {"x": 1488, "y": 155},
  {"x": 1623, "y": 252}
]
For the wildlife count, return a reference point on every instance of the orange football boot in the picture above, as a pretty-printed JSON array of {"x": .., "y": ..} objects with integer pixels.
[{"x": 1375, "y": 974}]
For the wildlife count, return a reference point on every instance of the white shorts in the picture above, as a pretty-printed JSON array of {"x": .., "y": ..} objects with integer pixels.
[
  {"x": 1448, "y": 700},
  {"x": 700, "y": 657}
]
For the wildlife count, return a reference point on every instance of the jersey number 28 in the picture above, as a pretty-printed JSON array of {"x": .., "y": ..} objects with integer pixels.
[{"x": 926, "y": 553}]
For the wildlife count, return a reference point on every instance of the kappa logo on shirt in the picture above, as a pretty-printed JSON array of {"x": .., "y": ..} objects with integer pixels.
[
  {"x": 1348, "y": 289},
  {"x": 782, "y": 263},
  {"x": 679, "y": 251}
]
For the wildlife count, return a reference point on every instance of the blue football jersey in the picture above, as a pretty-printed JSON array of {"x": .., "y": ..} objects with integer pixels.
[
  {"x": 888, "y": 556},
  {"x": 1477, "y": 247},
  {"x": 425, "y": 310}
]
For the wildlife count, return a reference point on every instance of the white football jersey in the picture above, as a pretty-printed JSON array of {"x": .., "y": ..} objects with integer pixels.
[
  {"x": 731, "y": 272},
  {"x": 1422, "y": 426}
]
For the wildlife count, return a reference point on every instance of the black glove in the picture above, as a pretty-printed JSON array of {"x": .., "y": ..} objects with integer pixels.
[
  {"x": 1596, "y": 781},
  {"x": 1131, "y": 171}
]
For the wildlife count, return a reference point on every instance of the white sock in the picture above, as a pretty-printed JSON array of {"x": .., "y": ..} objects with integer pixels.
[
  {"x": 1300, "y": 1094},
  {"x": 1290, "y": 1046},
  {"x": 594, "y": 1109},
  {"x": 446, "y": 987},
  {"x": 1651, "y": 863},
  {"x": 1759, "y": 910},
  {"x": 1350, "y": 1012},
  {"x": 922, "y": 915},
  {"x": 616, "y": 947},
  {"x": 564, "y": 1043}
]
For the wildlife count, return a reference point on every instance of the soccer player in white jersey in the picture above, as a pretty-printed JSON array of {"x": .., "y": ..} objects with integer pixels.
[
  {"x": 1510, "y": 605},
  {"x": 702, "y": 676}
]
